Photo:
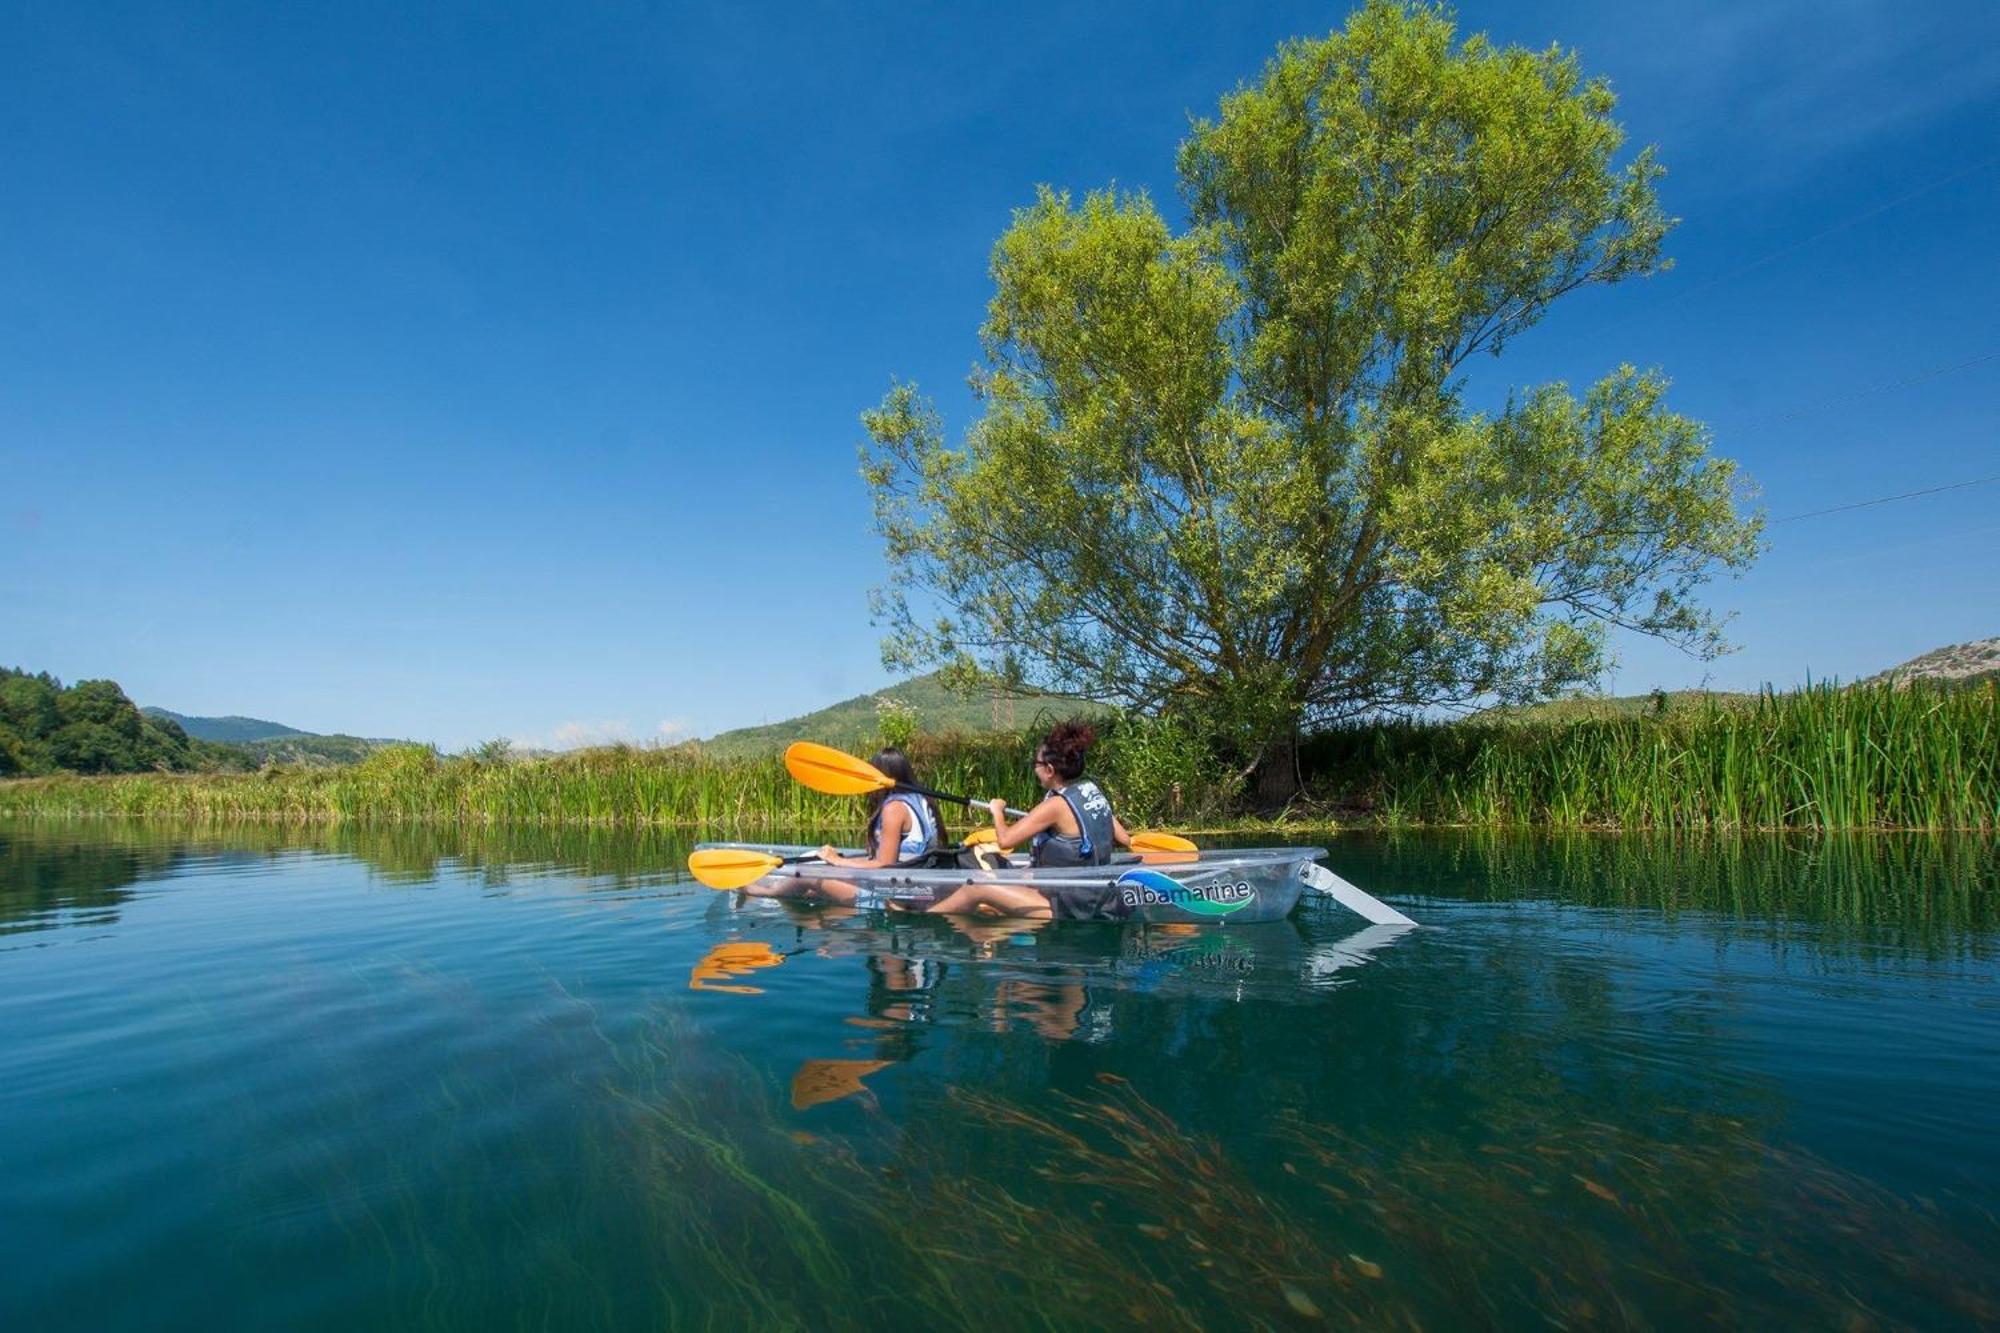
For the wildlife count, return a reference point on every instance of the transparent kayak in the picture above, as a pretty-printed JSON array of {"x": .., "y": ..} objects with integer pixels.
[{"x": 1239, "y": 885}]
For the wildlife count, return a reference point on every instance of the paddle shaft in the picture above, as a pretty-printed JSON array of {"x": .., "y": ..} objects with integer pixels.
[{"x": 965, "y": 801}]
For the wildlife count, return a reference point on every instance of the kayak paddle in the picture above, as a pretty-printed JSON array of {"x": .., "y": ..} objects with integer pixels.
[
  {"x": 734, "y": 867},
  {"x": 826, "y": 769}
]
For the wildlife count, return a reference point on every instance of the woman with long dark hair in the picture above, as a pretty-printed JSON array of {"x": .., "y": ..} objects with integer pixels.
[{"x": 903, "y": 827}]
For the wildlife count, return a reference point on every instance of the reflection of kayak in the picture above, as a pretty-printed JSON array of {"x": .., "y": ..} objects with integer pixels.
[{"x": 1251, "y": 884}]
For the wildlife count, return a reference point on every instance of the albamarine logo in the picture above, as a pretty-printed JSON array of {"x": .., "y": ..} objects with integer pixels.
[{"x": 1145, "y": 888}]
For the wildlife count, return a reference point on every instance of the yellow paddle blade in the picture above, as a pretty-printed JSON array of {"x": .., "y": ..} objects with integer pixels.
[
  {"x": 1156, "y": 848},
  {"x": 731, "y": 868},
  {"x": 826, "y": 769}
]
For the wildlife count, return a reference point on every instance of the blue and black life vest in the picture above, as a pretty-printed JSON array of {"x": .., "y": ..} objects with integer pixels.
[
  {"x": 1093, "y": 843},
  {"x": 920, "y": 839}
]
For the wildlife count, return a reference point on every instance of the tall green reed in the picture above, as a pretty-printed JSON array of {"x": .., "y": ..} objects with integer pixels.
[{"x": 1865, "y": 757}]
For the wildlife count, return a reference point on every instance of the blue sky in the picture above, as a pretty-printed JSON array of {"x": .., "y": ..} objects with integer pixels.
[{"x": 462, "y": 371}]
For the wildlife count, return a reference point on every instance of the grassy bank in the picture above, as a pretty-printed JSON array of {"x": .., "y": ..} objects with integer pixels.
[{"x": 1870, "y": 757}]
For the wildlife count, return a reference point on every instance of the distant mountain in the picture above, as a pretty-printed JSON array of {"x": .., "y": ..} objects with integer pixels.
[
  {"x": 1956, "y": 662},
  {"x": 230, "y": 730},
  {"x": 854, "y": 723},
  {"x": 254, "y": 742}
]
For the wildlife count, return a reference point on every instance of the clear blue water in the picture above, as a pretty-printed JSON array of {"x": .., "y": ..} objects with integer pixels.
[{"x": 442, "y": 1080}]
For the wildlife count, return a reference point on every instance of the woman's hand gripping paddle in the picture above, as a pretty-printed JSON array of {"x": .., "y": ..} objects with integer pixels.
[
  {"x": 826, "y": 769},
  {"x": 1153, "y": 848}
]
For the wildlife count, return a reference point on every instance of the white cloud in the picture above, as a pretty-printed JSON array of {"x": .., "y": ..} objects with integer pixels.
[{"x": 577, "y": 736}]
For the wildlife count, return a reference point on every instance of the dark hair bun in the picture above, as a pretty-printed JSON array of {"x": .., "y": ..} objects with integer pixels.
[{"x": 1067, "y": 745}]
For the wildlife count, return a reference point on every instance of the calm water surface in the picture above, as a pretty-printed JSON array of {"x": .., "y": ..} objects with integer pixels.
[{"x": 334, "y": 1079}]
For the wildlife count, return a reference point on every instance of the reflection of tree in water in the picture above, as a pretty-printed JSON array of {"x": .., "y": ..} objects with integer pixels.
[{"x": 53, "y": 871}]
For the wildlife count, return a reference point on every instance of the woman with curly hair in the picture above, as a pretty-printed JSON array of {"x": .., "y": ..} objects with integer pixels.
[{"x": 1073, "y": 825}]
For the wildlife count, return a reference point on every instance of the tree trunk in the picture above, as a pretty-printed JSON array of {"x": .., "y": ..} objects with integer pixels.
[{"x": 1276, "y": 782}]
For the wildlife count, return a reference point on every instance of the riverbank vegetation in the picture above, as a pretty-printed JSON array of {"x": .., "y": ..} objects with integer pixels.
[{"x": 1864, "y": 757}]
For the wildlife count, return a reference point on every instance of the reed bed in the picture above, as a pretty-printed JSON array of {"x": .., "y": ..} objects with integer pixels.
[
  {"x": 407, "y": 784},
  {"x": 1823, "y": 758},
  {"x": 1864, "y": 757}
]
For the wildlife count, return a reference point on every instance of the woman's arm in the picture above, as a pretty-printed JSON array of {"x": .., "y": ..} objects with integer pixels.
[
  {"x": 1038, "y": 820},
  {"x": 1118, "y": 833}
]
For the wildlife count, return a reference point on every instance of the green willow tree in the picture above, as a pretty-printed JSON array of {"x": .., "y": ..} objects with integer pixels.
[{"x": 1229, "y": 472}]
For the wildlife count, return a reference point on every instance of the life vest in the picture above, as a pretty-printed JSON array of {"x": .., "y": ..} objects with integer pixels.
[
  {"x": 1093, "y": 843},
  {"x": 922, "y": 835}
]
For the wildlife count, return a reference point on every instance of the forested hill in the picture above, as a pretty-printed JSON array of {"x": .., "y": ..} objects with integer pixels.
[
  {"x": 88, "y": 727},
  {"x": 92, "y": 727},
  {"x": 230, "y": 730},
  {"x": 856, "y": 724}
]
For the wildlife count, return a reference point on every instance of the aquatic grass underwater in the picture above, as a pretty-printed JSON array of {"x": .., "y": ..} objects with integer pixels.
[
  {"x": 1121, "y": 1217},
  {"x": 1824, "y": 758}
]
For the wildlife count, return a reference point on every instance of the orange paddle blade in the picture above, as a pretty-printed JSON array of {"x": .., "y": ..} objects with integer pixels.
[
  {"x": 730, "y": 868},
  {"x": 826, "y": 769},
  {"x": 979, "y": 835}
]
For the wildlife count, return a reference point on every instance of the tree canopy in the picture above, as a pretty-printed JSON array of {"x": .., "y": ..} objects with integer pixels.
[
  {"x": 1229, "y": 469},
  {"x": 89, "y": 727}
]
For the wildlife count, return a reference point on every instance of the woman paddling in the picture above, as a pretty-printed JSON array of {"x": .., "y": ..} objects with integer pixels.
[
  {"x": 903, "y": 829},
  {"x": 1073, "y": 825}
]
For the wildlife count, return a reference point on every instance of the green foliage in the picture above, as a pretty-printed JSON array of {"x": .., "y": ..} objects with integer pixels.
[
  {"x": 1869, "y": 756},
  {"x": 89, "y": 727},
  {"x": 1165, "y": 765},
  {"x": 1229, "y": 471},
  {"x": 895, "y": 721}
]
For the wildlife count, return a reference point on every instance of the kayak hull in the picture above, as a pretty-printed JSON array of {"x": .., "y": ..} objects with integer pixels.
[{"x": 1234, "y": 887}]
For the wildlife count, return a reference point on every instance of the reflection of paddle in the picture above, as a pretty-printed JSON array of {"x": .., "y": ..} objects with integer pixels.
[
  {"x": 734, "y": 867},
  {"x": 826, "y": 769},
  {"x": 729, "y": 959},
  {"x": 829, "y": 1080}
]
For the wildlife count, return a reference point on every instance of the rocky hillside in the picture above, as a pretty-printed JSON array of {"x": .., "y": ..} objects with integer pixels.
[{"x": 1958, "y": 662}]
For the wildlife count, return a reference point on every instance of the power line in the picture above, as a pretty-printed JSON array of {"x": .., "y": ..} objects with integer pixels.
[
  {"x": 1917, "y": 378},
  {"x": 1856, "y": 220},
  {"x": 1840, "y": 226},
  {"x": 1889, "y": 499}
]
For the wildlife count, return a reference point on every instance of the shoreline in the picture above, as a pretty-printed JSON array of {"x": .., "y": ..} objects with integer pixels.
[{"x": 1331, "y": 825}]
